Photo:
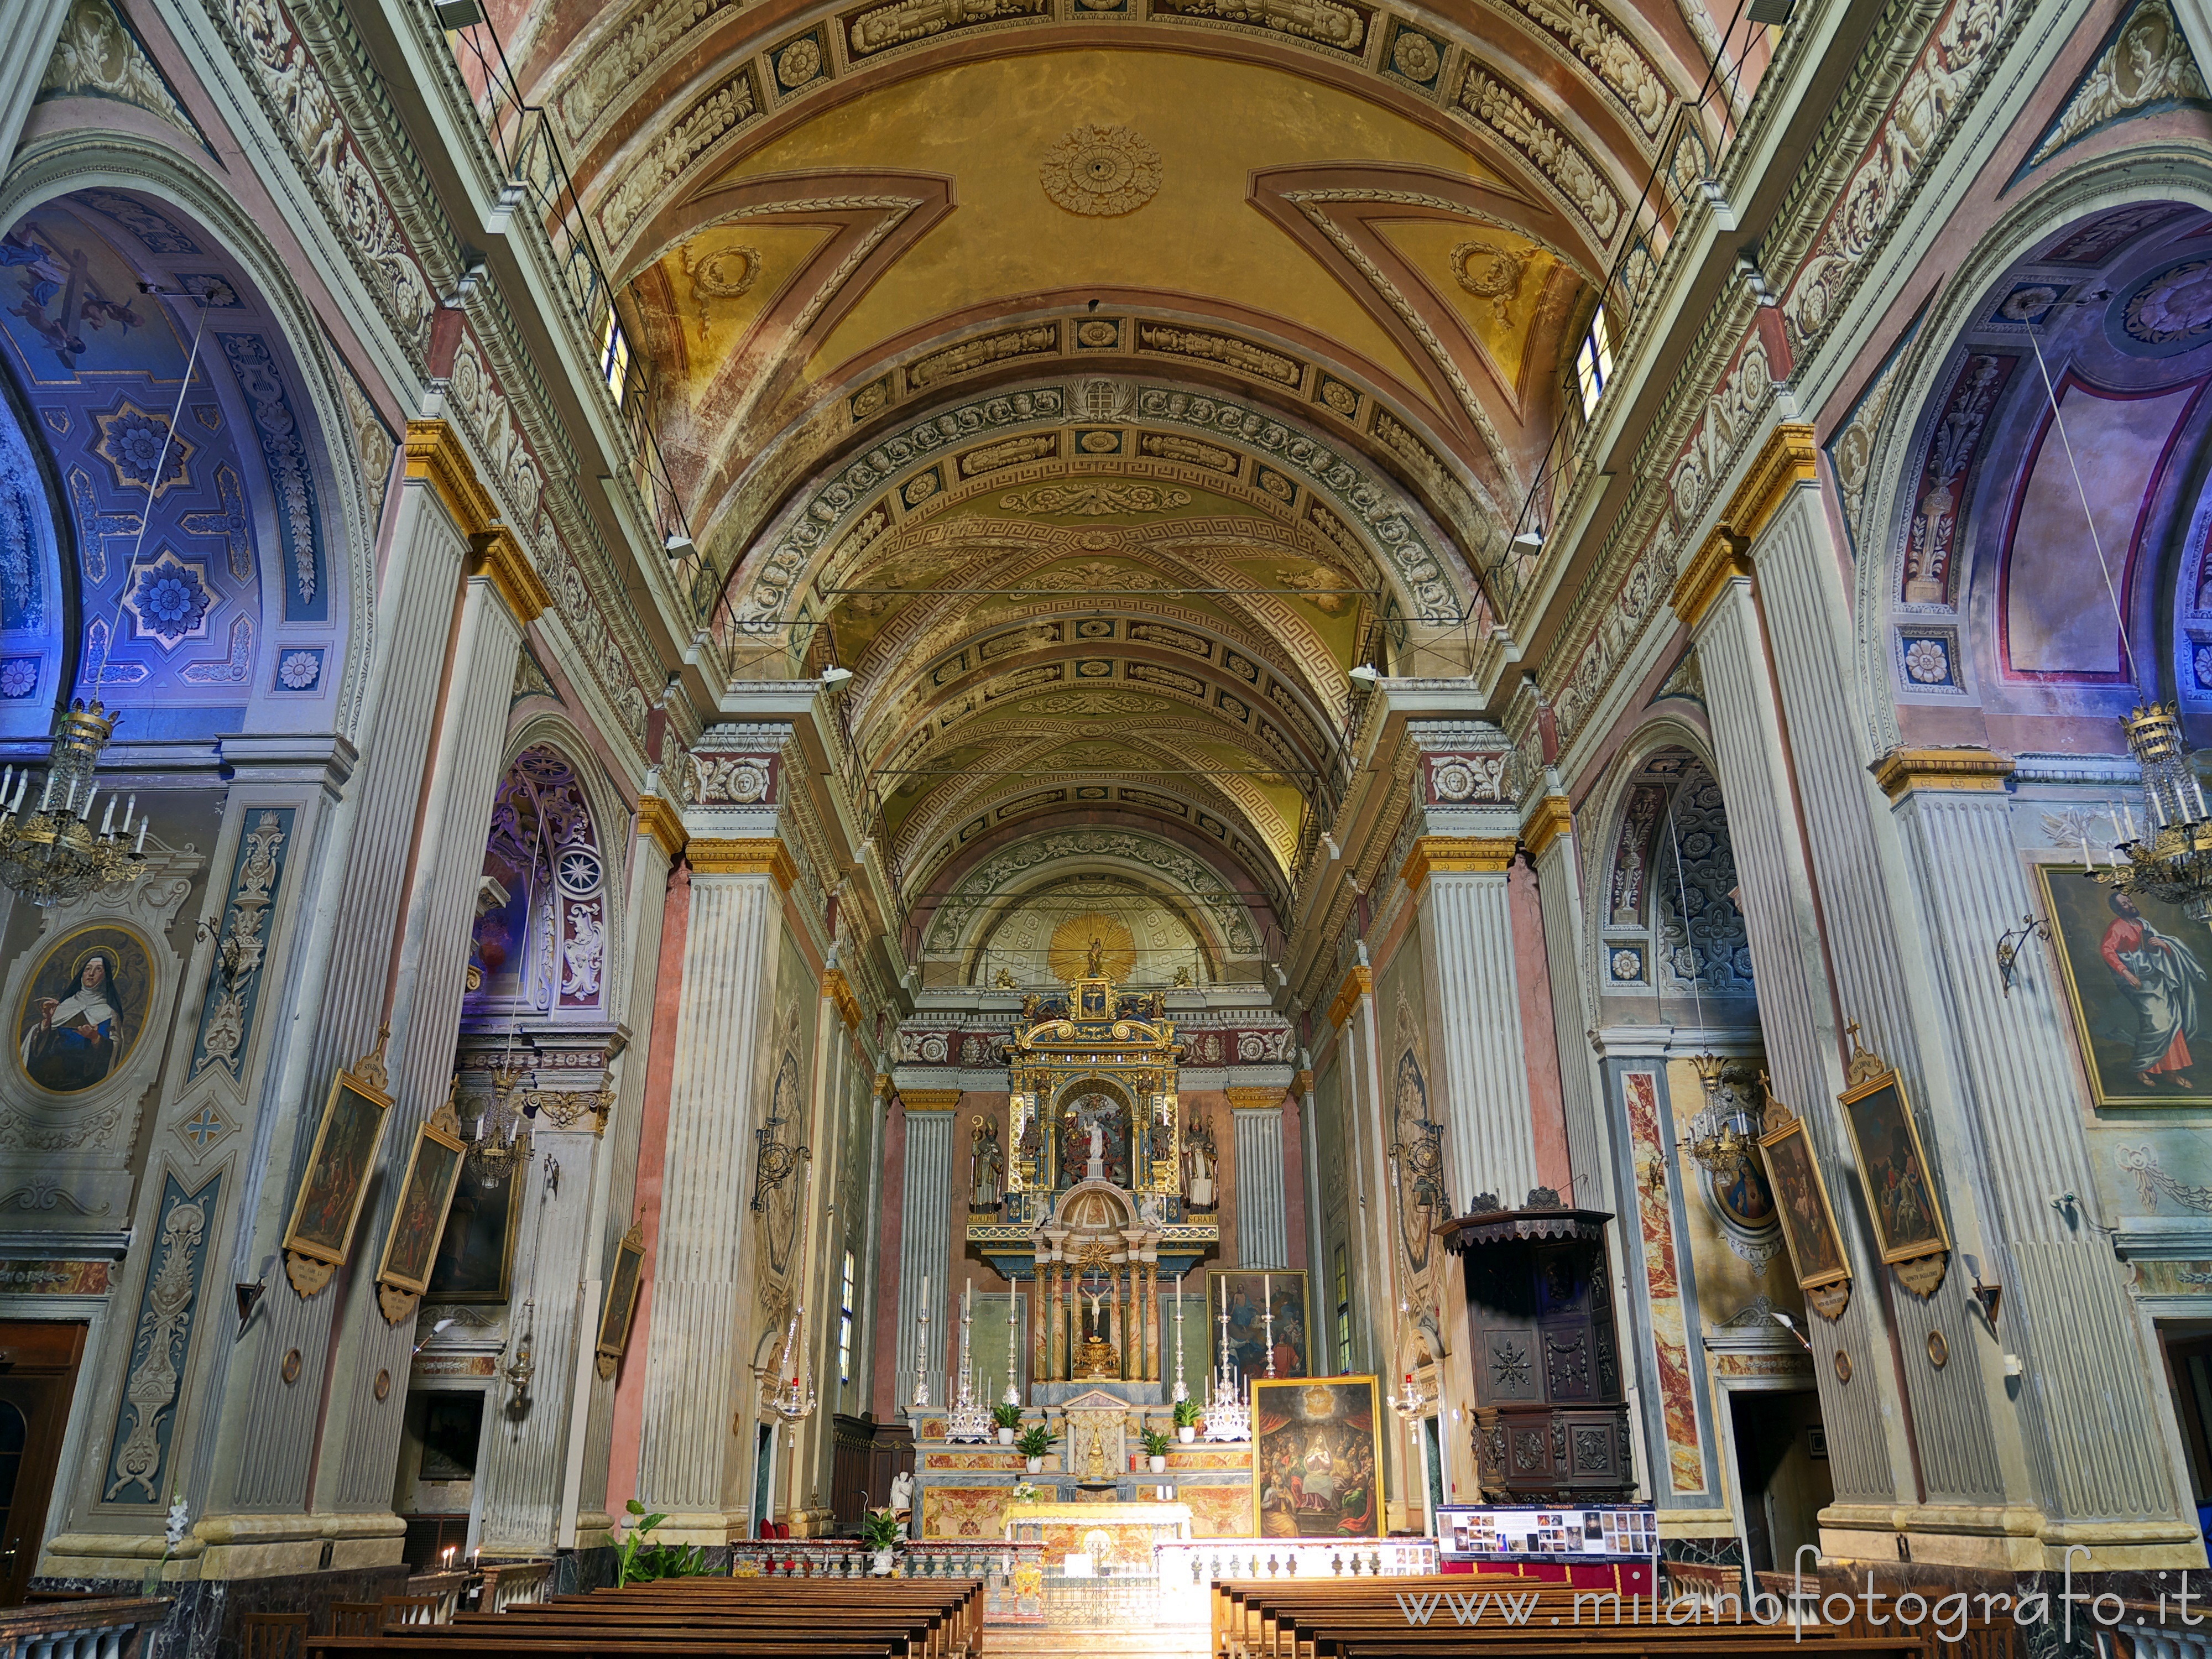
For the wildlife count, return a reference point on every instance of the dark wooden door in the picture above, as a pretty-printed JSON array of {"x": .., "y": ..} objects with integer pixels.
[{"x": 38, "y": 1371}]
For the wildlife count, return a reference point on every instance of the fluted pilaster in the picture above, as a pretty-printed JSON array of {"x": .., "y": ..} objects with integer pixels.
[
  {"x": 2096, "y": 1444},
  {"x": 1868, "y": 1460},
  {"x": 362, "y": 1432},
  {"x": 925, "y": 1243},
  {"x": 1263, "y": 1239},
  {"x": 692, "y": 1462},
  {"x": 1474, "y": 1002}
]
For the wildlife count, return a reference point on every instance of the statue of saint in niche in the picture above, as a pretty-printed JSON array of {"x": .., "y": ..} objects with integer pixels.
[{"x": 986, "y": 1180}]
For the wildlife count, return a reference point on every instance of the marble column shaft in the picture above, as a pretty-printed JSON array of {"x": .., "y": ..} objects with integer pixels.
[
  {"x": 925, "y": 1245},
  {"x": 362, "y": 1433},
  {"x": 1263, "y": 1226},
  {"x": 1869, "y": 1460},
  {"x": 692, "y": 1464},
  {"x": 1467, "y": 929},
  {"x": 267, "y": 1440}
]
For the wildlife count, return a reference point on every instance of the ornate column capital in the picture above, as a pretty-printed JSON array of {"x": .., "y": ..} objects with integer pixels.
[
  {"x": 494, "y": 554},
  {"x": 1359, "y": 982},
  {"x": 659, "y": 818},
  {"x": 1550, "y": 816},
  {"x": 1302, "y": 1083},
  {"x": 754, "y": 855},
  {"x": 1784, "y": 461},
  {"x": 839, "y": 990},
  {"x": 1902, "y": 771},
  {"x": 931, "y": 1100},
  {"x": 436, "y": 456},
  {"x": 1457, "y": 855},
  {"x": 1725, "y": 556},
  {"x": 1255, "y": 1099}
]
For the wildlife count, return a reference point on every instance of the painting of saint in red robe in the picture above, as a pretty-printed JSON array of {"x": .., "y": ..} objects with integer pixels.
[{"x": 2135, "y": 973}]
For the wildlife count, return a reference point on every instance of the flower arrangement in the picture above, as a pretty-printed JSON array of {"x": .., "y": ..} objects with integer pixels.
[{"x": 1025, "y": 1493}]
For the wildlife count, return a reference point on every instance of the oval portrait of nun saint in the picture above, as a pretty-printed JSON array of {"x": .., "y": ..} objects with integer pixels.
[{"x": 84, "y": 1009}]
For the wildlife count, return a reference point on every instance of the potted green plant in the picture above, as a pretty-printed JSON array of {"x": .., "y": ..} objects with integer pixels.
[
  {"x": 1186, "y": 1420},
  {"x": 1035, "y": 1444},
  {"x": 641, "y": 1562},
  {"x": 880, "y": 1531},
  {"x": 1008, "y": 1418},
  {"x": 1156, "y": 1450}
]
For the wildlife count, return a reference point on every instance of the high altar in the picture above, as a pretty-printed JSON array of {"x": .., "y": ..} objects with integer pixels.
[{"x": 1104, "y": 1205}]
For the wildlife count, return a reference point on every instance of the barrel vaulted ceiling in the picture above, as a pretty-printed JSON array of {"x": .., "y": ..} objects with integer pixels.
[{"x": 1099, "y": 381}]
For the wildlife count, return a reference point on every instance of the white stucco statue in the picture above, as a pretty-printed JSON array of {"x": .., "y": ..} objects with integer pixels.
[{"x": 902, "y": 1493}]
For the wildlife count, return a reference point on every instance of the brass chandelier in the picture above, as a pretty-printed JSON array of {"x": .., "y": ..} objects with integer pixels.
[
  {"x": 2169, "y": 856},
  {"x": 1723, "y": 1136},
  {"x": 51, "y": 853}
]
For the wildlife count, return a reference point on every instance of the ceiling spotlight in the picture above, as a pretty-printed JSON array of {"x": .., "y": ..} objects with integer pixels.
[
  {"x": 1366, "y": 675},
  {"x": 1532, "y": 537},
  {"x": 833, "y": 679},
  {"x": 457, "y": 14},
  {"x": 676, "y": 543}
]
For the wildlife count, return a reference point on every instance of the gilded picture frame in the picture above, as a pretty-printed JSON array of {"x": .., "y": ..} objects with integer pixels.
[
  {"x": 1802, "y": 1206},
  {"x": 1900, "y": 1192},
  {"x": 475, "y": 1262},
  {"x": 336, "y": 1185},
  {"x": 1244, "y": 1294},
  {"x": 2137, "y": 1023},
  {"x": 426, "y": 1193},
  {"x": 625, "y": 1279},
  {"x": 1318, "y": 1457}
]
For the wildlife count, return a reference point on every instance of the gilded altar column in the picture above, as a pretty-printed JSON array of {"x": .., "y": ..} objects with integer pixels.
[{"x": 1051, "y": 1336}]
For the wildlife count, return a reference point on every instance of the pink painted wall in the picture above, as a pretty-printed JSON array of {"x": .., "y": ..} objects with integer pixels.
[{"x": 883, "y": 1390}]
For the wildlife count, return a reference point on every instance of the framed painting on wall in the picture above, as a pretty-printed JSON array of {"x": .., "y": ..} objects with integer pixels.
[
  {"x": 1318, "y": 1457},
  {"x": 344, "y": 1157},
  {"x": 1900, "y": 1198},
  {"x": 474, "y": 1261},
  {"x": 1246, "y": 1295},
  {"x": 1801, "y": 1202},
  {"x": 426, "y": 1195},
  {"x": 622, "y": 1298},
  {"x": 2135, "y": 976}
]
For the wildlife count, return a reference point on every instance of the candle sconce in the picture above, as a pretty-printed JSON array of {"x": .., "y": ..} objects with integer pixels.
[{"x": 2009, "y": 943}]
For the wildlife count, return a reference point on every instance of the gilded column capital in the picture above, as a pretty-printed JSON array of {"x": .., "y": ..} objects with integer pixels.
[
  {"x": 1359, "y": 982},
  {"x": 1902, "y": 771},
  {"x": 931, "y": 1100},
  {"x": 1725, "y": 556},
  {"x": 1457, "y": 855},
  {"x": 1302, "y": 1083},
  {"x": 1784, "y": 461},
  {"x": 435, "y": 456},
  {"x": 885, "y": 1087},
  {"x": 755, "y": 856},
  {"x": 1550, "y": 816},
  {"x": 495, "y": 555},
  {"x": 1255, "y": 1099},
  {"x": 839, "y": 990},
  {"x": 659, "y": 819}
]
